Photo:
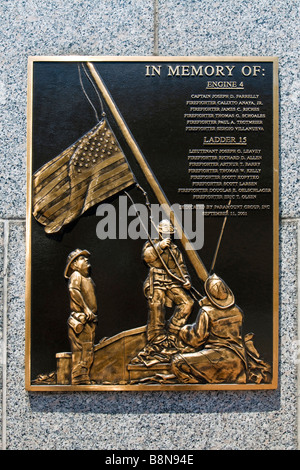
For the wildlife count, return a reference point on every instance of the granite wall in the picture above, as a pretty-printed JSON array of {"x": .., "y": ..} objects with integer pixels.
[{"x": 124, "y": 420}]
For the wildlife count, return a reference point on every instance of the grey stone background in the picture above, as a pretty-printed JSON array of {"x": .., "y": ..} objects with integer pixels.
[{"x": 123, "y": 420}]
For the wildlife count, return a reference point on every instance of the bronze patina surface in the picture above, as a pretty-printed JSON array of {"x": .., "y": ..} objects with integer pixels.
[{"x": 108, "y": 136}]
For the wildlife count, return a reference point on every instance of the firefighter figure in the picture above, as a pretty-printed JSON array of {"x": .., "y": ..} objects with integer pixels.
[
  {"x": 168, "y": 283},
  {"x": 221, "y": 354},
  {"x": 82, "y": 320}
]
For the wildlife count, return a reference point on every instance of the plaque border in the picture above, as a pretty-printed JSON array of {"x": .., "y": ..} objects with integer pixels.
[{"x": 153, "y": 387}]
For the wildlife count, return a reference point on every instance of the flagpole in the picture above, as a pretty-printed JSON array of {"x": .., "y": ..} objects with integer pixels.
[
  {"x": 161, "y": 197},
  {"x": 219, "y": 241}
]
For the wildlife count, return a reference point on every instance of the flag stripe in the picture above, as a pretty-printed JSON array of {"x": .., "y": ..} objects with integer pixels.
[
  {"x": 64, "y": 219},
  {"x": 62, "y": 202},
  {"x": 104, "y": 166},
  {"x": 51, "y": 167},
  {"x": 41, "y": 199},
  {"x": 66, "y": 190},
  {"x": 50, "y": 182},
  {"x": 63, "y": 205},
  {"x": 100, "y": 167},
  {"x": 106, "y": 189},
  {"x": 111, "y": 177},
  {"x": 124, "y": 182},
  {"x": 50, "y": 207},
  {"x": 91, "y": 170}
]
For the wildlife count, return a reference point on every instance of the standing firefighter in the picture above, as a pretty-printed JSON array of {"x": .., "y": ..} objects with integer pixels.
[
  {"x": 82, "y": 320},
  {"x": 167, "y": 283}
]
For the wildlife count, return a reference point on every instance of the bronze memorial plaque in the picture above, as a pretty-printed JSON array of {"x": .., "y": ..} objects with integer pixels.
[{"x": 152, "y": 223}]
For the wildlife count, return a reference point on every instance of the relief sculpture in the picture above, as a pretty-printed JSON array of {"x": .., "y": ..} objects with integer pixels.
[
  {"x": 188, "y": 338},
  {"x": 211, "y": 350},
  {"x": 82, "y": 320}
]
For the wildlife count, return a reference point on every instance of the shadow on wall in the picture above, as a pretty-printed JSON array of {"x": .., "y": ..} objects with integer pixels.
[
  {"x": 143, "y": 402},
  {"x": 157, "y": 402}
]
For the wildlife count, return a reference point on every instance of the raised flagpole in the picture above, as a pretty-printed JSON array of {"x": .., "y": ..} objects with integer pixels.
[
  {"x": 161, "y": 197},
  {"x": 219, "y": 240}
]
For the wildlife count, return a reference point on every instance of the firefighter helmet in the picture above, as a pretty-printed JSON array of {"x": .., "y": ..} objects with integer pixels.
[
  {"x": 71, "y": 257},
  {"x": 218, "y": 292},
  {"x": 165, "y": 227}
]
